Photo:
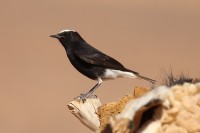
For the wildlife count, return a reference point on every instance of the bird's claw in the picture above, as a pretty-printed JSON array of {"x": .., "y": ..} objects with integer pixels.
[{"x": 83, "y": 97}]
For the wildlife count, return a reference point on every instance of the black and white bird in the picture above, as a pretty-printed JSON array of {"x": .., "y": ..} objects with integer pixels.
[{"x": 91, "y": 62}]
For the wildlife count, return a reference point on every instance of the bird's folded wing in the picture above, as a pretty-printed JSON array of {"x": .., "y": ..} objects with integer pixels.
[{"x": 95, "y": 57}]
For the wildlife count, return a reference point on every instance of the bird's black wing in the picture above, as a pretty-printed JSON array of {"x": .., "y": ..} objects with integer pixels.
[{"x": 95, "y": 57}]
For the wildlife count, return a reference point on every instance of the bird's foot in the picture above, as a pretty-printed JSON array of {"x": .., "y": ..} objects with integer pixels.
[{"x": 83, "y": 97}]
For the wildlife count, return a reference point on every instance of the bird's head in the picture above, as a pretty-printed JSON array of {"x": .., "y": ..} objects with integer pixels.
[{"x": 67, "y": 37}]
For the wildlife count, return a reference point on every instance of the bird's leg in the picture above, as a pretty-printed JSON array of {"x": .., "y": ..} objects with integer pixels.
[
  {"x": 95, "y": 87},
  {"x": 86, "y": 95}
]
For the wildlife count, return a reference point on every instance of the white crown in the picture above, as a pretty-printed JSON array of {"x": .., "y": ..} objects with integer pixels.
[{"x": 66, "y": 31}]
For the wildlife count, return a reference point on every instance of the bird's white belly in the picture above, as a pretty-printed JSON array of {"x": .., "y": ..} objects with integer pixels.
[{"x": 112, "y": 74}]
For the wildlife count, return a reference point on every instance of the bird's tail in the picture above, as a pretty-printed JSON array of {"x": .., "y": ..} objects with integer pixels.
[
  {"x": 140, "y": 77},
  {"x": 147, "y": 79}
]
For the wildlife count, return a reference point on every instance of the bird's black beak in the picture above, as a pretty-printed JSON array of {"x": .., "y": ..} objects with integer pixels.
[{"x": 55, "y": 36}]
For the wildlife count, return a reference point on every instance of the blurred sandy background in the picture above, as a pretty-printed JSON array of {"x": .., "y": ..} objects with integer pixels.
[{"x": 36, "y": 79}]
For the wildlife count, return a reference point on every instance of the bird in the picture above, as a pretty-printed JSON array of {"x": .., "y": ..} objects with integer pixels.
[{"x": 91, "y": 62}]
